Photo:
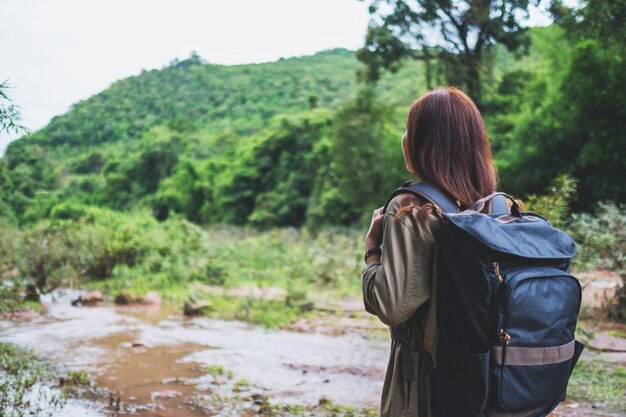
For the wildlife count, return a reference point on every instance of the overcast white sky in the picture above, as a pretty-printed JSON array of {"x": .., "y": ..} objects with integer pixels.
[{"x": 57, "y": 52}]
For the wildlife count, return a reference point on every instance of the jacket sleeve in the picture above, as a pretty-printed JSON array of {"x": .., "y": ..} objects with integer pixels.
[{"x": 397, "y": 286}]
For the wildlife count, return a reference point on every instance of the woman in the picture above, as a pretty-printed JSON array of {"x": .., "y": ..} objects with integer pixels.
[{"x": 445, "y": 144}]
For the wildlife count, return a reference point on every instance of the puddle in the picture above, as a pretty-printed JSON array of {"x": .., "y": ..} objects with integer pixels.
[{"x": 157, "y": 362}]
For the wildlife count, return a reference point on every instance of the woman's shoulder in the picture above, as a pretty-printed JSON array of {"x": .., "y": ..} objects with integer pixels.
[
  {"x": 405, "y": 208},
  {"x": 401, "y": 201}
]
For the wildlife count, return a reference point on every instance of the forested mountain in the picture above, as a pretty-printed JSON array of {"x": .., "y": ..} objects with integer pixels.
[
  {"x": 301, "y": 141},
  {"x": 182, "y": 138},
  {"x": 194, "y": 94}
]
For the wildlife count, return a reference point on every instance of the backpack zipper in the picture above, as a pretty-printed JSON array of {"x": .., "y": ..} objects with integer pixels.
[
  {"x": 504, "y": 340},
  {"x": 504, "y": 337},
  {"x": 496, "y": 269}
]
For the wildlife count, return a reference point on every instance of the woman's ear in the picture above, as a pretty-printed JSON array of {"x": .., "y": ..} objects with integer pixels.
[{"x": 406, "y": 152}]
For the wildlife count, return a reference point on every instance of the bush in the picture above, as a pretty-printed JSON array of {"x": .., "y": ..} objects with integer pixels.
[
  {"x": 555, "y": 204},
  {"x": 602, "y": 242},
  {"x": 599, "y": 382},
  {"x": 601, "y": 237}
]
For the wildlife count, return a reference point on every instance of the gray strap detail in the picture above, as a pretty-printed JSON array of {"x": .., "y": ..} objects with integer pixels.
[
  {"x": 525, "y": 356},
  {"x": 438, "y": 198},
  {"x": 480, "y": 204},
  {"x": 508, "y": 218}
]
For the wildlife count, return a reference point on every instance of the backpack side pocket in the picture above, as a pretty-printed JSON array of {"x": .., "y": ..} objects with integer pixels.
[{"x": 460, "y": 381}]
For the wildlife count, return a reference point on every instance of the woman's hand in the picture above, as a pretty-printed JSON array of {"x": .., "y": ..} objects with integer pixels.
[{"x": 374, "y": 236}]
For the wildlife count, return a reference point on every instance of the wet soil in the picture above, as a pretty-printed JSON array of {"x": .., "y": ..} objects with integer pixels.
[{"x": 154, "y": 362}]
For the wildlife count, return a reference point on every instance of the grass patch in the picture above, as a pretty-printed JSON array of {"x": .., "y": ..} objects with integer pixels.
[
  {"x": 80, "y": 378},
  {"x": 617, "y": 333},
  {"x": 267, "y": 313},
  {"x": 180, "y": 260},
  {"x": 241, "y": 385},
  {"x": 25, "y": 384},
  {"x": 327, "y": 265},
  {"x": 11, "y": 300},
  {"x": 599, "y": 382},
  {"x": 219, "y": 370},
  {"x": 325, "y": 407}
]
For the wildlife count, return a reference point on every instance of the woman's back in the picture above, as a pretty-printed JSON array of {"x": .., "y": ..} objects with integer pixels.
[{"x": 399, "y": 293}]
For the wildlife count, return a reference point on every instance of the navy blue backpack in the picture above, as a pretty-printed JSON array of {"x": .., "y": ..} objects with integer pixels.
[{"x": 507, "y": 308}]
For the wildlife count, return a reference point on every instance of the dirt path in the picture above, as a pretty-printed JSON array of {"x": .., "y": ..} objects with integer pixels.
[
  {"x": 154, "y": 362},
  {"x": 157, "y": 361}
]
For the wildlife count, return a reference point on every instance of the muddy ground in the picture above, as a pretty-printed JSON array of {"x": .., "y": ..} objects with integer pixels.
[{"x": 152, "y": 361}]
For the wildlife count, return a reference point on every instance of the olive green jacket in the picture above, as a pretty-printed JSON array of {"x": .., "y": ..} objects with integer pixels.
[{"x": 394, "y": 290}]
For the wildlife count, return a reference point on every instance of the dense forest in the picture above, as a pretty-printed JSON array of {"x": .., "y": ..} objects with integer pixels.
[
  {"x": 305, "y": 142},
  {"x": 206, "y": 141},
  {"x": 287, "y": 143}
]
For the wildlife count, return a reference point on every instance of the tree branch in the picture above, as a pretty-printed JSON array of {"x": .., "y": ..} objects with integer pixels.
[
  {"x": 462, "y": 33},
  {"x": 447, "y": 38}
]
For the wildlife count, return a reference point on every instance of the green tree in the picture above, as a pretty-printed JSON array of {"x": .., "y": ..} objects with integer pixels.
[
  {"x": 25, "y": 171},
  {"x": 187, "y": 191},
  {"x": 360, "y": 154},
  {"x": 603, "y": 20},
  {"x": 456, "y": 34},
  {"x": 130, "y": 177},
  {"x": 9, "y": 113},
  {"x": 271, "y": 181},
  {"x": 580, "y": 128}
]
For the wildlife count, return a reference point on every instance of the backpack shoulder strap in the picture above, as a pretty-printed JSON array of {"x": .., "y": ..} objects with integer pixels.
[
  {"x": 438, "y": 198},
  {"x": 428, "y": 192},
  {"x": 499, "y": 205}
]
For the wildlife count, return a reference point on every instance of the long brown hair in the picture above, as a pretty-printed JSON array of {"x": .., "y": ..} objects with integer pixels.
[{"x": 449, "y": 146}]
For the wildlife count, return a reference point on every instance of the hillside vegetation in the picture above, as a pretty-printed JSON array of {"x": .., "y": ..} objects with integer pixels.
[
  {"x": 109, "y": 188},
  {"x": 286, "y": 143},
  {"x": 186, "y": 137}
]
